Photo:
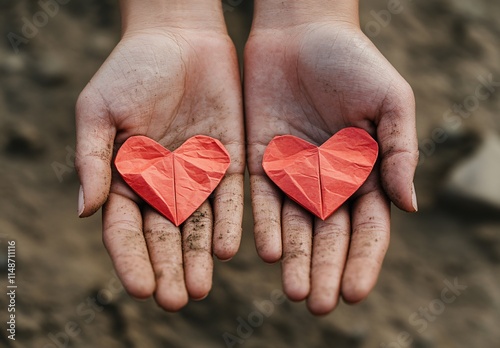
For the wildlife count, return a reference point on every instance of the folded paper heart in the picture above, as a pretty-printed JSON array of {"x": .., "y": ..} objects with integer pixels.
[
  {"x": 321, "y": 179},
  {"x": 174, "y": 183}
]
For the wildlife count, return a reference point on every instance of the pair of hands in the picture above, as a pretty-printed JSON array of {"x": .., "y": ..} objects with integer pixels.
[{"x": 308, "y": 79}]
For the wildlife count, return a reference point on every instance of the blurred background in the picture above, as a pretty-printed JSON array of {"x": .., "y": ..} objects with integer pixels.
[{"x": 439, "y": 286}]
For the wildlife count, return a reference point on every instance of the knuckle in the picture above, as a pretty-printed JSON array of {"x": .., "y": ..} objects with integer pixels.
[{"x": 331, "y": 230}]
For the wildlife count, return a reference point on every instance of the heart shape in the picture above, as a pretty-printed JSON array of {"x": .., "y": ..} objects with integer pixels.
[
  {"x": 321, "y": 179},
  {"x": 174, "y": 183}
]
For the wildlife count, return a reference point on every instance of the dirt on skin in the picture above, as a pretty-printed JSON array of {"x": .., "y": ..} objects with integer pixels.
[{"x": 438, "y": 287}]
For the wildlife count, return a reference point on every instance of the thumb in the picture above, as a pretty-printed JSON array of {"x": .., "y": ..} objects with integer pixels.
[
  {"x": 94, "y": 151},
  {"x": 397, "y": 135}
]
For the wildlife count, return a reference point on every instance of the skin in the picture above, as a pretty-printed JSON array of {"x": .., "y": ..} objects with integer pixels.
[
  {"x": 169, "y": 78},
  {"x": 309, "y": 72}
]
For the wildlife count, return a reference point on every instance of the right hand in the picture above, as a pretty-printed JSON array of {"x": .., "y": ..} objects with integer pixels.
[{"x": 309, "y": 72}]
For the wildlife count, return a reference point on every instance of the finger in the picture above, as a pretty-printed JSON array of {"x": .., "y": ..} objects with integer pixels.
[
  {"x": 197, "y": 246},
  {"x": 397, "y": 136},
  {"x": 369, "y": 243},
  {"x": 124, "y": 240},
  {"x": 297, "y": 245},
  {"x": 94, "y": 150},
  {"x": 228, "y": 213},
  {"x": 266, "y": 206},
  {"x": 165, "y": 251},
  {"x": 329, "y": 253}
]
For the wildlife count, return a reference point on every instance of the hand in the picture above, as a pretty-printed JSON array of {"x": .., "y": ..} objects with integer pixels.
[
  {"x": 310, "y": 76},
  {"x": 168, "y": 83}
]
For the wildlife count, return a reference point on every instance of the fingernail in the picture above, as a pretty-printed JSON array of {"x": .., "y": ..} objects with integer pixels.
[
  {"x": 81, "y": 204},
  {"x": 414, "y": 198}
]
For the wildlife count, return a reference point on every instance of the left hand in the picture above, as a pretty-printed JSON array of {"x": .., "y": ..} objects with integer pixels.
[{"x": 310, "y": 80}]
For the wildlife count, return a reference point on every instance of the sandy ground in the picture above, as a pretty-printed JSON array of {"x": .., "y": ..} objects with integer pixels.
[{"x": 68, "y": 295}]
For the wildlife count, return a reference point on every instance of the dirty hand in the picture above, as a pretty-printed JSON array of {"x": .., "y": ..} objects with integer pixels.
[
  {"x": 309, "y": 72},
  {"x": 173, "y": 75}
]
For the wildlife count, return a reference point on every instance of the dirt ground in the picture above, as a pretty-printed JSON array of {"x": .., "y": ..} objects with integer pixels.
[{"x": 68, "y": 295}]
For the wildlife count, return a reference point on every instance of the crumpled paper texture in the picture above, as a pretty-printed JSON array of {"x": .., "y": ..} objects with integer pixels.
[
  {"x": 174, "y": 183},
  {"x": 322, "y": 178}
]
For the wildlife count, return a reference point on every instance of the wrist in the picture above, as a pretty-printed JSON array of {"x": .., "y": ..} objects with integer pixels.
[
  {"x": 273, "y": 14},
  {"x": 182, "y": 14}
]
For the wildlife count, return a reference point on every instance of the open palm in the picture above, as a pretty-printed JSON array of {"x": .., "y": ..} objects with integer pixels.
[
  {"x": 311, "y": 81},
  {"x": 168, "y": 85}
]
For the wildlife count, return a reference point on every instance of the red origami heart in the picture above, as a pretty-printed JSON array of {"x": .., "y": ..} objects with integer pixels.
[
  {"x": 321, "y": 179},
  {"x": 174, "y": 183}
]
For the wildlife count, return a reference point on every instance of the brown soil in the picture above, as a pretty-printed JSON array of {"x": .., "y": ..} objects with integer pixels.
[{"x": 67, "y": 291}]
